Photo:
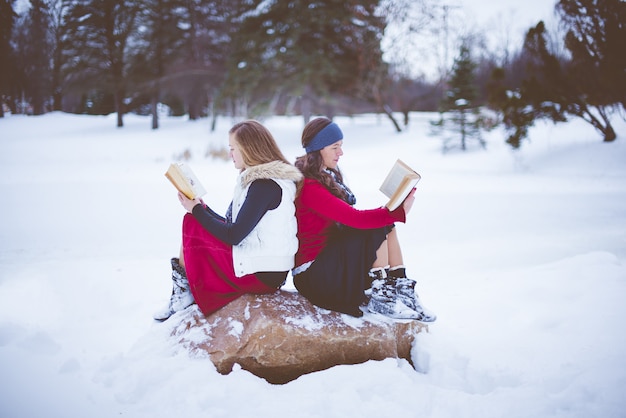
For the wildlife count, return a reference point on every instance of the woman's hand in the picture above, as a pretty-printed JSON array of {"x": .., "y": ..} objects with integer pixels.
[
  {"x": 188, "y": 204},
  {"x": 408, "y": 202}
]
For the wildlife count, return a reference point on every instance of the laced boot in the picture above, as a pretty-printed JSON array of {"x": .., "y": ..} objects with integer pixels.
[
  {"x": 181, "y": 297},
  {"x": 405, "y": 288},
  {"x": 384, "y": 299},
  {"x": 373, "y": 274}
]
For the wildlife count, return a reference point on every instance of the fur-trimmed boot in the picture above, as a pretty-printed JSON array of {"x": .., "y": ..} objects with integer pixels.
[
  {"x": 405, "y": 288},
  {"x": 181, "y": 293},
  {"x": 384, "y": 299}
]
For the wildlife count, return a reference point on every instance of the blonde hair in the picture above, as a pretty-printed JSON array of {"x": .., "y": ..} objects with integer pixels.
[{"x": 256, "y": 143}]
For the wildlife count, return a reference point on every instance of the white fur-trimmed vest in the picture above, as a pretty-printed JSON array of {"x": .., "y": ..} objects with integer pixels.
[{"x": 272, "y": 244}]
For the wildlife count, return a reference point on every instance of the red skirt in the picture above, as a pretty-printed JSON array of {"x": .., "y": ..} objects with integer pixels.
[{"x": 209, "y": 267}]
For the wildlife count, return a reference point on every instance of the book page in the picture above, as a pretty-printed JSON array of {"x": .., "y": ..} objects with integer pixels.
[
  {"x": 184, "y": 179},
  {"x": 402, "y": 192},
  {"x": 399, "y": 182},
  {"x": 192, "y": 181},
  {"x": 391, "y": 183}
]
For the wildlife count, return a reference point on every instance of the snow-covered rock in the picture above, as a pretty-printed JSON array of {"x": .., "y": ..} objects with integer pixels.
[{"x": 282, "y": 336}]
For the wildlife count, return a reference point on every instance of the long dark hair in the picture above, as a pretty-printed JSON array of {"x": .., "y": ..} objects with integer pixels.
[{"x": 311, "y": 164}]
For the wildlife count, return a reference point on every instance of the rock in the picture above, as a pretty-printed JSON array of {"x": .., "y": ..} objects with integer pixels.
[{"x": 282, "y": 336}]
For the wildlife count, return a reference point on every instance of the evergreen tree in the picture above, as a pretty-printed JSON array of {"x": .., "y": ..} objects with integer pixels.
[
  {"x": 156, "y": 48},
  {"x": 182, "y": 53},
  {"x": 33, "y": 56},
  {"x": 503, "y": 97},
  {"x": 596, "y": 30},
  {"x": 57, "y": 10},
  {"x": 310, "y": 50},
  {"x": 459, "y": 110},
  {"x": 201, "y": 69},
  {"x": 589, "y": 83},
  {"x": 7, "y": 60},
  {"x": 95, "y": 48}
]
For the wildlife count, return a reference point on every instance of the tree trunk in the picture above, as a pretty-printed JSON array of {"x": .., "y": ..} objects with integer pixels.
[
  {"x": 305, "y": 104},
  {"x": 378, "y": 99},
  {"x": 57, "y": 101},
  {"x": 393, "y": 120},
  {"x": 214, "y": 122},
  {"x": 38, "y": 103},
  {"x": 154, "y": 109},
  {"x": 604, "y": 125},
  {"x": 194, "y": 111},
  {"x": 463, "y": 130},
  {"x": 119, "y": 108},
  {"x": 609, "y": 134}
]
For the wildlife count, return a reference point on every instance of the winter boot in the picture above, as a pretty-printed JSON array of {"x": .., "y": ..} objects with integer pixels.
[
  {"x": 405, "y": 289},
  {"x": 373, "y": 274},
  {"x": 385, "y": 301},
  {"x": 181, "y": 297}
]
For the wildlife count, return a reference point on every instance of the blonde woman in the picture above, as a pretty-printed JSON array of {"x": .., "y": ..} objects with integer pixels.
[{"x": 250, "y": 249}]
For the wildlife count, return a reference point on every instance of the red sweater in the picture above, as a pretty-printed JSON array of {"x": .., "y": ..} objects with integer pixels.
[{"x": 317, "y": 210}]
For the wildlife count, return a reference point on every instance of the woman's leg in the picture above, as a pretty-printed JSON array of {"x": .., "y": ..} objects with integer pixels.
[
  {"x": 405, "y": 287},
  {"x": 181, "y": 257},
  {"x": 181, "y": 296},
  {"x": 382, "y": 256},
  {"x": 392, "y": 293},
  {"x": 389, "y": 253},
  {"x": 394, "y": 252},
  {"x": 385, "y": 298}
]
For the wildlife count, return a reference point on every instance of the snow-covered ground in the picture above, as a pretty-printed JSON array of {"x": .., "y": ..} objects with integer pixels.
[{"x": 521, "y": 255}]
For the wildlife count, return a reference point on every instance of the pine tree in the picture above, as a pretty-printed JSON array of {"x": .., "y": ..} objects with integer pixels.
[
  {"x": 459, "y": 112},
  {"x": 57, "y": 10},
  {"x": 596, "y": 30},
  {"x": 95, "y": 48},
  {"x": 587, "y": 83},
  {"x": 159, "y": 45},
  {"x": 33, "y": 55},
  {"x": 7, "y": 68},
  {"x": 310, "y": 50},
  {"x": 210, "y": 27}
]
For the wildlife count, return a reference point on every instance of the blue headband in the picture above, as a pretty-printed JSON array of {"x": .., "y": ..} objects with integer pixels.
[{"x": 327, "y": 136}]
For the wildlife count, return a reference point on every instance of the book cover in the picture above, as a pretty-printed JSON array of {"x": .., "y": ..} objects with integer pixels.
[
  {"x": 185, "y": 180},
  {"x": 399, "y": 182}
]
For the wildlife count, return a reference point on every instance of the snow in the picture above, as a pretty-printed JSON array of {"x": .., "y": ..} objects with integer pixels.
[{"x": 521, "y": 255}]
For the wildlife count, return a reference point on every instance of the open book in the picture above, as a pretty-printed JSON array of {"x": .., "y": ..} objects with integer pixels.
[
  {"x": 398, "y": 184},
  {"x": 185, "y": 180}
]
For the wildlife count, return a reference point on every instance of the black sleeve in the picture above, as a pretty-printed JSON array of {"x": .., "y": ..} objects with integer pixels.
[
  {"x": 263, "y": 195},
  {"x": 214, "y": 215}
]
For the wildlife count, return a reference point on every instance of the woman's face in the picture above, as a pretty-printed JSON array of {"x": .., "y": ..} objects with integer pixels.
[
  {"x": 331, "y": 154},
  {"x": 235, "y": 152}
]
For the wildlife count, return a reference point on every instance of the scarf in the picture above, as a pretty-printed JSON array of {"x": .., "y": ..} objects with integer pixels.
[{"x": 349, "y": 198}]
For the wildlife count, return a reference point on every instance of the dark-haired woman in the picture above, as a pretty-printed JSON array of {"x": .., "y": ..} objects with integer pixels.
[{"x": 343, "y": 250}]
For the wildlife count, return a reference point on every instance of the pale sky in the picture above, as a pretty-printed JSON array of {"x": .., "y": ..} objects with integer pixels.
[
  {"x": 519, "y": 14},
  {"x": 502, "y": 24}
]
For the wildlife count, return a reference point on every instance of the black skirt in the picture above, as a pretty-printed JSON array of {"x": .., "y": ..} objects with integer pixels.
[{"x": 337, "y": 278}]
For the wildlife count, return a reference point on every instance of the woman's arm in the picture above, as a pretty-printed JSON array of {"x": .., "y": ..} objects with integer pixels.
[
  {"x": 317, "y": 198},
  {"x": 190, "y": 204},
  {"x": 263, "y": 195},
  {"x": 213, "y": 214}
]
